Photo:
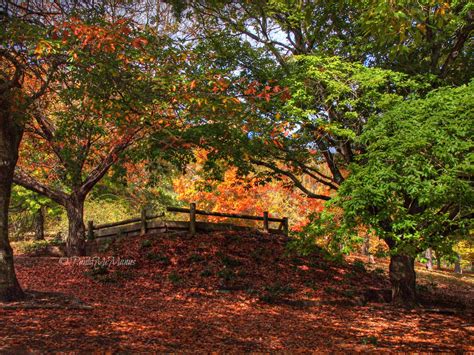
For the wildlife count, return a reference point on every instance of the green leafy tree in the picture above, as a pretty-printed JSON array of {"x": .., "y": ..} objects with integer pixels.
[
  {"x": 413, "y": 185},
  {"x": 419, "y": 37},
  {"x": 28, "y": 212},
  {"x": 414, "y": 37}
]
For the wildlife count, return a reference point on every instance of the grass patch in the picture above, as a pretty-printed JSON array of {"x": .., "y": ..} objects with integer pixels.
[
  {"x": 372, "y": 340},
  {"x": 230, "y": 262},
  {"x": 159, "y": 258},
  {"x": 175, "y": 278},
  {"x": 146, "y": 243},
  {"x": 206, "y": 273},
  {"x": 196, "y": 258},
  {"x": 275, "y": 292}
]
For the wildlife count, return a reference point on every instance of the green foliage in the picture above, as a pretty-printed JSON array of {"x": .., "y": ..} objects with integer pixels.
[
  {"x": 230, "y": 262},
  {"x": 158, "y": 257},
  {"x": 325, "y": 235},
  {"x": 369, "y": 340},
  {"x": 175, "y": 278},
  {"x": 146, "y": 243},
  {"x": 412, "y": 185},
  {"x": 359, "y": 266},
  {"x": 418, "y": 37},
  {"x": 414, "y": 37},
  {"x": 347, "y": 93}
]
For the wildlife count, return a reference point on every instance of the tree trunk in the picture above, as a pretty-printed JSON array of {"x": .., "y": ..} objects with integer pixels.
[
  {"x": 429, "y": 259},
  {"x": 403, "y": 279},
  {"x": 457, "y": 265},
  {"x": 438, "y": 260},
  {"x": 366, "y": 250},
  {"x": 75, "y": 241},
  {"x": 10, "y": 137},
  {"x": 39, "y": 224}
]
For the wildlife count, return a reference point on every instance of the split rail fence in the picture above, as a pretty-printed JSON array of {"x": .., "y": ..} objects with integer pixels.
[{"x": 147, "y": 223}]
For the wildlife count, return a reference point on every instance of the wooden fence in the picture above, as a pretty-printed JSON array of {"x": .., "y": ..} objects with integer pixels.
[
  {"x": 192, "y": 211},
  {"x": 146, "y": 223}
]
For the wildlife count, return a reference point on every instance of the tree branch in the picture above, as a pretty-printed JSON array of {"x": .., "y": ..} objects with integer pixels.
[
  {"x": 461, "y": 38},
  {"x": 14, "y": 81},
  {"x": 97, "y": 173},
  {"x": 293, "y": 178},
  {"x": 23, "y": 179}
]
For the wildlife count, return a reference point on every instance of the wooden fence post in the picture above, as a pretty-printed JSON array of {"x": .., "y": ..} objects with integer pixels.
[
  {"x": 192, "y": 218},
  {"x": 285, "y": 225},
  {"x": 265, "y": 221},
  {"x": 90, "y": 230},
  {"x": 143, "y": 221}
]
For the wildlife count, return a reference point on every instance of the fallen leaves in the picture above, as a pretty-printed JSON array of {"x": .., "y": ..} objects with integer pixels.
[{"x": 208, "y": 294}]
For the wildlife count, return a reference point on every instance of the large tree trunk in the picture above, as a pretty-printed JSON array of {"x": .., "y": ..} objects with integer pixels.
[
  {"x": 39, "y": 224},
  {"x": 75, "y": 241},
  {"x": 403, "y": 279},
  {"x": 10, "y": 137}
]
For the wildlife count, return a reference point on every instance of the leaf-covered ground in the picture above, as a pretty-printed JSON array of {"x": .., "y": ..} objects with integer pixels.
[{"x": 223, "y": 292}]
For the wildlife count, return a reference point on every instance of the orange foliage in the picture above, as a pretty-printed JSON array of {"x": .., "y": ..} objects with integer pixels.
[{"x": 245, "y": 196}]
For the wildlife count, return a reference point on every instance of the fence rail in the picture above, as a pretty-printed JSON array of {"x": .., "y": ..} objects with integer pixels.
[
  {"x": 220, "y": 214},
  {"x": 140, "y": 225},
  {"x": 193, "y": 211}
]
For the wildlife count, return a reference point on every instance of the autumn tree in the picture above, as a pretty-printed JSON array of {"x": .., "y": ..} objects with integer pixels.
[
  {"x": 33, "y": 56},
  {"x": 100, "y": 107},
  {"x": 127, "y": 85}
]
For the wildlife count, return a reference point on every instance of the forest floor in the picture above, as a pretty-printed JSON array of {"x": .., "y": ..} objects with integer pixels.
[{"x": 227, "y": 292}]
